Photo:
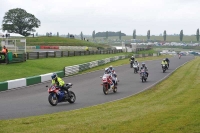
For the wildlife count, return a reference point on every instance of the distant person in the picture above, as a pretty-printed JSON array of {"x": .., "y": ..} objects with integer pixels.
[{"x": 4, "y": 50}]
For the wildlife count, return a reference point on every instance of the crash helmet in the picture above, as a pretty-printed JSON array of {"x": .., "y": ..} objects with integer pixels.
[
  {"x": 107, "y": 71},
  {"x": 54, "y": 76},
  {"x": 143, "y": 64},
  {"x": 111, "y": 67}
]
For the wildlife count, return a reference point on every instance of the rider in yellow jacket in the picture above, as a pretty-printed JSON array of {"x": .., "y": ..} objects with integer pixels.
[
  {"x": 164, "y": 62},
  {"x": 59, "y": 83}
]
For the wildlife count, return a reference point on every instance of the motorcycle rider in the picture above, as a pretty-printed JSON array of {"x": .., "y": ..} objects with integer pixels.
[
  {"x": 59, "y": 83},
  {"x": 113, "y": 72},
  {"x": 145, "y": 68},
  {"x": 167, "y": 60},
  {"x": 132, "y": 59},
  {"x": 137, "y": 64},
  {"x": 164, "y": 62},
  {"x": 109, "y": 74}
]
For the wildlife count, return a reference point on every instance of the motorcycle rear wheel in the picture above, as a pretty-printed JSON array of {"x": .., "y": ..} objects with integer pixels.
[
  {"x": 72, "y": 98},
  {"x": 53, "y": 101}
]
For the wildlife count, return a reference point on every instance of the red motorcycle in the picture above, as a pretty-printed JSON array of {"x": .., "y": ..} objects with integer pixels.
[
  {"x": 106, "y": 83},
  {"x": 56, "y": 95}
]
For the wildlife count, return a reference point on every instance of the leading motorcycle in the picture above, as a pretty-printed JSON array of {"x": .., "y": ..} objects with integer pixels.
[
  {"x": 56, "y": 95},
  {"x": 106, "y": 83}
]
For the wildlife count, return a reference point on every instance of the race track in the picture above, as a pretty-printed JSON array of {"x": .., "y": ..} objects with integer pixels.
[{"x": 33, "y": 100}]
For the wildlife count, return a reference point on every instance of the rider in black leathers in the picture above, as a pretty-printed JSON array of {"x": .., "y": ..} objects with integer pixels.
[
  {"x": 132, "y": 59},
  {"x": 167, "y": 60}
]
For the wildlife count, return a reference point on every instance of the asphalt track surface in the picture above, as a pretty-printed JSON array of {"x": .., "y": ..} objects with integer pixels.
[{"x": 33, "y": 100}]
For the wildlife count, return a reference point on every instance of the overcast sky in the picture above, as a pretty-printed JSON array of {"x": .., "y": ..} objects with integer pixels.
[{"x": 74, "y": 16}]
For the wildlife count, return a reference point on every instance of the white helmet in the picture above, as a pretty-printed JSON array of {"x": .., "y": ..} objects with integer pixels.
[{"x": 106, "y": 70}]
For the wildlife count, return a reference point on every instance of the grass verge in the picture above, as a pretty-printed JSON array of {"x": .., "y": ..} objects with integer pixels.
[
  {"x": 171, "y": 106},
  {"x": 46, "y": 65},
  {"x": 59, "y": 41}
]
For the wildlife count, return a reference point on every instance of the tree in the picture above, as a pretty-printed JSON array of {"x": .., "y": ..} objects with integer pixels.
[
  {"x": 120, "y": 36},
  {"x": 164, "y": 35},
  {"x": 110, "y": 33},
  {"x": 197, "y": 35},
  {"x": 81, "y": 35},
  {"x": 134, "y": 34},
  {"x": 19, "y": 21},
  {"x": 148, "y": 34},
  {"x": 106, "y": 34},
  {"x": 181, "y": 35}
]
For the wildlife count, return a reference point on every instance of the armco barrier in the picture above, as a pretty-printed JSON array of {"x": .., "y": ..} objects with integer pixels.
[{"x": 70, "y": 70}]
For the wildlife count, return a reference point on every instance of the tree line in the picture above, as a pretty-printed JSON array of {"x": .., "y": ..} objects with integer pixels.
[
  {"x": 165, "y": 35},
  {"x": 19, "y": 21}
]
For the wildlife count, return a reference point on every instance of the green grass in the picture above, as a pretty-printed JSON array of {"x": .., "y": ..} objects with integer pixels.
[
  {"x": 59, "y": 41},
  {"x": 46, "y": 65},
  {"x": 172, "y": 106},
  {"x": 187, "y": 39}
]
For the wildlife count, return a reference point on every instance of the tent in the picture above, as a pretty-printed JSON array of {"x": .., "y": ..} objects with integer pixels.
[
  {"x": 15, "y": 35},
  {"x": 11, "y": 34}
]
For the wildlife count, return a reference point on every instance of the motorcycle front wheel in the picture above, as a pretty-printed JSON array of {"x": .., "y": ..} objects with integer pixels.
[
  {"x": 105, "y": 89},
  {"x": 53, "y": 100},
  {"x": 72, "y": 98}
]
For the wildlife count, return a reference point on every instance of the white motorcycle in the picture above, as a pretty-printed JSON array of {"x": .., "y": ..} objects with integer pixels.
[{"x": 136, "y": 68}]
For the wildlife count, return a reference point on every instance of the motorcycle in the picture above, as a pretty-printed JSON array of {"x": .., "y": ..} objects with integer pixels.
[
  {"x": 131, "y": 63},
  {"x": 135, "y": 67},
  {"x": 143, "y": 75},
  {"x": 164, "y": 67},
  {"x": 56, "y": 95},
  {"x": 106, "y": 83}
]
